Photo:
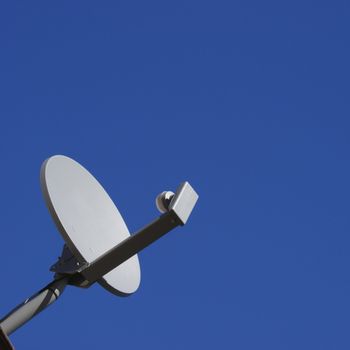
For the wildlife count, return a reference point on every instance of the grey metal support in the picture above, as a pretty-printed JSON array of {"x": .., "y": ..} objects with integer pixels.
[
  {"x": 179, "y": 211},
  {"x": 32, "y": 306},
  {"x": 130, "y": 247}
]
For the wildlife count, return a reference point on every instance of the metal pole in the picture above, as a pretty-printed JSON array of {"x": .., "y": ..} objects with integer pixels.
[{"x": 32, "y": 306}]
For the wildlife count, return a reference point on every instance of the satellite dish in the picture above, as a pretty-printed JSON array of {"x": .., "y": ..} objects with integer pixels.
[
  {"x": 98, "y": 246},
  {"x": 87, "y": 219}
]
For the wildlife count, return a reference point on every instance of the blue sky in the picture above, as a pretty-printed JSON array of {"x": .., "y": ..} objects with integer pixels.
[{"x": 247, "y": 100}]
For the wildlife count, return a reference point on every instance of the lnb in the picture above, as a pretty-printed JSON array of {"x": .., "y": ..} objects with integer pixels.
[{"x": 163, "y": 201}]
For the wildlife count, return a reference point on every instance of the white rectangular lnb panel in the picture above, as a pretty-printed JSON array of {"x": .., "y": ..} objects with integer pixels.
[{"x": 184, "y": 201}]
